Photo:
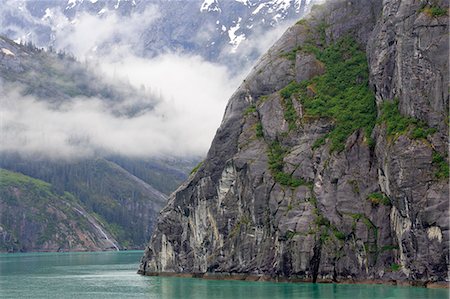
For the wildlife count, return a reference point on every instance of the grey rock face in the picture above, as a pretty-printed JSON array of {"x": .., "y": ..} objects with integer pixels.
[
  {"x": 408, "y": 55},
  {"x": 232, "y": 215},
  {"x": 307, "y": 67}
]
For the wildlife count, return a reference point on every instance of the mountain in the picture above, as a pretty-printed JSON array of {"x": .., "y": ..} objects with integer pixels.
[
  {"x": 331, "y": 160},
  {"x": 122, "y": 195},
  {"x": 35, "y": 218},
  {"x": 122, "y": 192},
  {"x": 214, "y": 29},
  {"x": 126, "y": 205}
]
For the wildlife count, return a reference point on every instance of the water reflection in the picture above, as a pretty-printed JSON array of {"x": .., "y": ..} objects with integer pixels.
[{"x": 113, "y": 275}]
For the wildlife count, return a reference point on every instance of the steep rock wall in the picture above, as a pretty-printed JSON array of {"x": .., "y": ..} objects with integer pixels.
[{"x": 292, "y": 190}]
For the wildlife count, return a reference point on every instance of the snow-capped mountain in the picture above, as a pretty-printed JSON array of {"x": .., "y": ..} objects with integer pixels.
[{"x": 217, "y": 30}]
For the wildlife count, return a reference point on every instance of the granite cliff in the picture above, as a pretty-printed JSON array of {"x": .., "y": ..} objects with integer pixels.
[{"x": 331, "y": 160}]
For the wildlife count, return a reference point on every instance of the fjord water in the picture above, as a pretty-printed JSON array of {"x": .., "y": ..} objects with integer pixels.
[{"x": 113, "y": 275}]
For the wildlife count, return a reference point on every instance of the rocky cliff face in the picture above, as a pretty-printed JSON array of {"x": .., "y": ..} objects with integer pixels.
[{"x": 330, "y": 162}]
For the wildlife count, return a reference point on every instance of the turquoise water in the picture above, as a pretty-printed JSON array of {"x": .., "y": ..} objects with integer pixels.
[{"x": 113, "y": 275}]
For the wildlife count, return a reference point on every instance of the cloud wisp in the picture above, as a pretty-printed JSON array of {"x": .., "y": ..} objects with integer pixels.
[
  {"x": 181, "y": 125},
  {"x": 193, "y": 94}
]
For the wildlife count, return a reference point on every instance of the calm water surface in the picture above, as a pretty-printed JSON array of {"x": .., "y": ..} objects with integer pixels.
[{"x": 113, "y": 275}]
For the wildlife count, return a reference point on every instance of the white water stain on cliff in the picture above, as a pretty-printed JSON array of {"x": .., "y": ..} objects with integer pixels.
[
  {"x": 226, "y": 182},
  {"x": 400, "y": 225},
  {"x": 167, "y": 254},
  {"x": 199, "y": 227},
  {"x": 434, "y": 233},
  {"x": 217, "y": 237}
]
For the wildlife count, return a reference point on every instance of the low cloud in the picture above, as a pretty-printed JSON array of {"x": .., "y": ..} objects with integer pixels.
[
  {"x": 91, "y": 36},
  {"x": 193, "y": 94},
  {"x": 183, "y": 124}
]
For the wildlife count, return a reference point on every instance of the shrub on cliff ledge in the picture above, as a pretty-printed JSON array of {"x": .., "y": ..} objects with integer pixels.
[
  {"x": 398, "y": 124},
  {"x": 276, "y": 156},
  {"x": 341, "y": 94},
  {"x": 442, "y": 166},
  {"x": 434, "y": 10}
]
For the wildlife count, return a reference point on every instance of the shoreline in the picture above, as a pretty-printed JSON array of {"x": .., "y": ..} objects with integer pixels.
[
  {"x": 72, "y": 251},
  {"x": 4, "y": 253},
  {"x": 268, "y": 278}
]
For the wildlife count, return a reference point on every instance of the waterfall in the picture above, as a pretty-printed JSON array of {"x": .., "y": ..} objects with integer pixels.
[{"x": 99, "y": 229}]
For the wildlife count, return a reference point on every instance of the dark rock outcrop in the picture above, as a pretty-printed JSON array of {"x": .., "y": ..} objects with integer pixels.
[{"x": 375, "y": 209}]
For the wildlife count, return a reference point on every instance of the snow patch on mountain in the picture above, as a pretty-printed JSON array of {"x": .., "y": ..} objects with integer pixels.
[
  {"x": 48, "y": 14},
  {"x": 210, "y": 5},
  {"x": 117, "y": 4},
  {"x": 72, "y": 3},
  {"x": 245, "y": 2},
  {"x": 75, "y": 4},
  {"x": 270, "y": 12},
  {"x": 280, "y": 5},
  {"x": 258, "y": 9},
  {"x": 235, "y": 39}
]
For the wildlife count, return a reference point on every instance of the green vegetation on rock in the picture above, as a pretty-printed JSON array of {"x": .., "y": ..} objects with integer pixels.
[
  {"x": 341, "y": 94},
  {"x": 327, "y": 225},
  {"x": 322, "y": 221},
  {"x": 291, "y": 55},
  {"x": 398, "y": 124},
  {"x": 259, "y": 130},
  {"x": 442, "y": 166},
  {"x": 251, "y": 109},
  {"x": 46, "y": 218},
  {"x": 395, "y": 267},
  {"x": 319, "y": 142},
  {"x": 434, "y": 10},
  {"x": 276, "y": 156},
  {"x": 243, "y": 221},
  {"x": 14, "y": 179},
  {"x": 290, "y": 234},
  {"x": 379, "y": 198},
  {"x": 302, "y": 22},
  {"x": 289, "y": 90},
  {"x": 196, "y": 168},
  {"x": 290, "y": 115}
]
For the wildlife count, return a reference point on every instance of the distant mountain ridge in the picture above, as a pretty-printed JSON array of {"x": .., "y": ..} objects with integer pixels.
[
  {"x": 122, "y": 194},
  {"x": 213, "y": 29},
  {"x": 35, "y": 218}
]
